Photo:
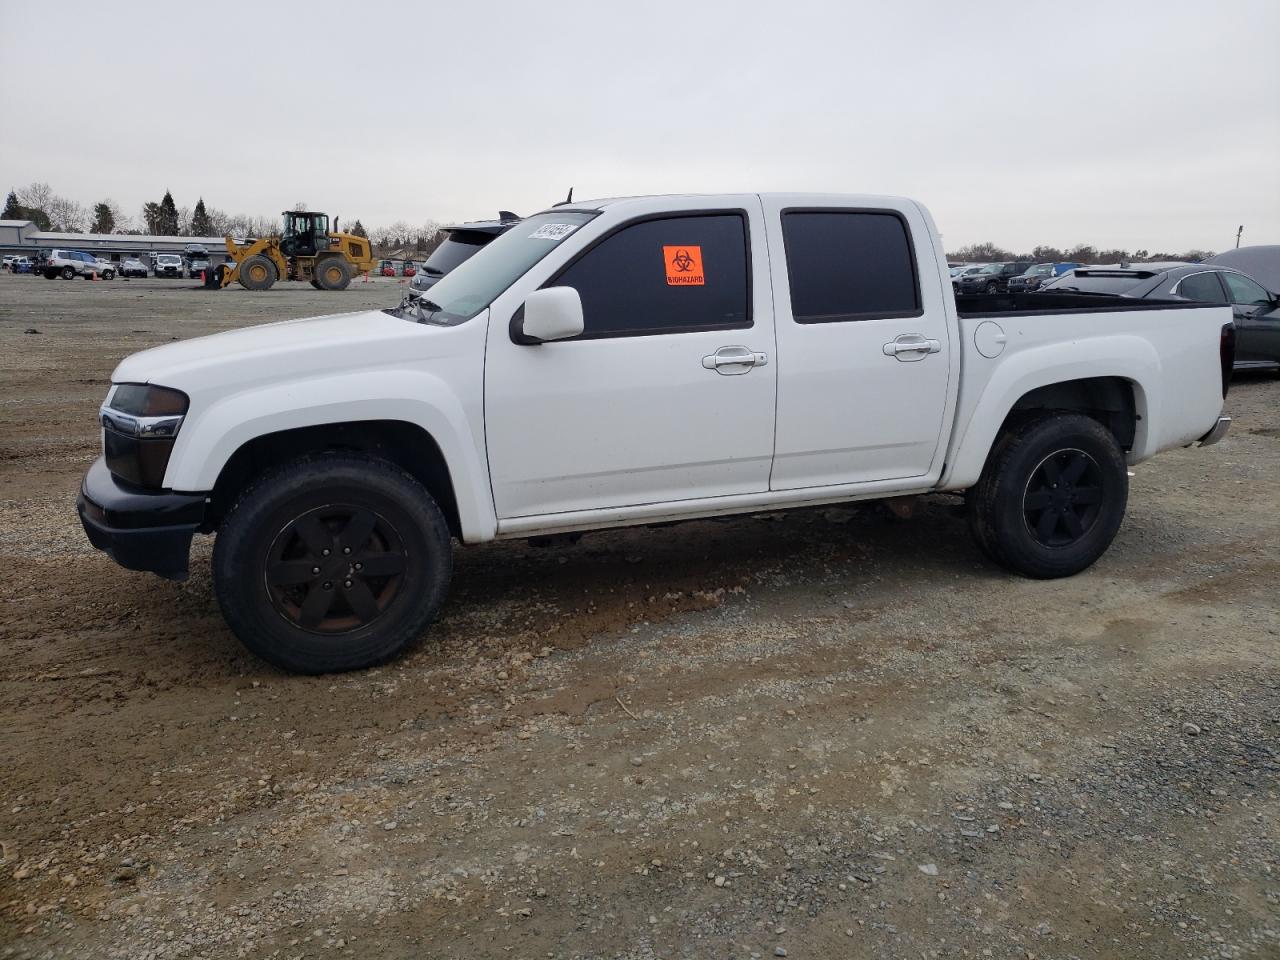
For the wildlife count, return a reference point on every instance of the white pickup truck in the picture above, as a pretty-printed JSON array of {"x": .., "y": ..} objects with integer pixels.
[{"x": 636, "y": 361}]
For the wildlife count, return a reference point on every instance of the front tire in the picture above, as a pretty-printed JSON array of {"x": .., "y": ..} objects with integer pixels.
[
  {"x": 68, "y": 273},
  {"x": 1051, "y": 497},
  {"x": 332, "y": 273},
  {"x": 332, "y": 563},
  {"x": 258, "y": 273}
]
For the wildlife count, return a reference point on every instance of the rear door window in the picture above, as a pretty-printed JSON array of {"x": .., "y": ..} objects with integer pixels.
[
  {"x": 668, "y": 275},
  {"x": 1202, "y": 287},
  {"x": 848, "y": 265}
]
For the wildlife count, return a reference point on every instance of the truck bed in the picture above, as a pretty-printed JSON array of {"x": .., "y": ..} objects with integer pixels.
[{"x": 1023, "y": 304}]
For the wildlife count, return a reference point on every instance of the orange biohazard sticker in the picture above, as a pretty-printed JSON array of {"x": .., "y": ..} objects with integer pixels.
[{"x": 684, "y": 266}]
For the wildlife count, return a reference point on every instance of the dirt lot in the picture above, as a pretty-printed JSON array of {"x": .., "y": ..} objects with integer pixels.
[{"x": 822, "y": 734}]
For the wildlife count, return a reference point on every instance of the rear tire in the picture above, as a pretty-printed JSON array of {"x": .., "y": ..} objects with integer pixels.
[
  {"x": 298, "y": 519},
  {"x": 258, "y": 273},
  {"x": 1051, "y": 497},
  {"x": 332, "y": 273}
]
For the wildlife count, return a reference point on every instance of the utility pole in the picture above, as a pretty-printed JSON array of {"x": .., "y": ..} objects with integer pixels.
[{"x": 1239, "y": 231}]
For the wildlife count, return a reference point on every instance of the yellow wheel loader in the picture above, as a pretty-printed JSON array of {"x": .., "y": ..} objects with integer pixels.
[{"x": 306, "y": 250}]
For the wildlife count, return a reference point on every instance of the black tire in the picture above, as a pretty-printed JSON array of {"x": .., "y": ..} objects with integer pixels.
[
  {"x": 258, "y": 273},
  {"x": 68, "y": 273},
  {"x": 108, "y": 274},
  {"x": 278, "y": 530},
  {"x": 1051, "y": 497},
  {"x": 992, "y": 288},
  {"x": 332, "y": 273}
]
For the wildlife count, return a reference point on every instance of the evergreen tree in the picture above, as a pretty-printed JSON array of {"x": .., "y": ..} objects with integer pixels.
[
  {"x": 38, "y": 217},
  {"x": 168, "y": 216},
  {"x": 357, "y": 230},
  {"x": 104, "y": 220},
  {"x": 201, "y": 225},
  {"x": 151, "y": 217},
  {"x": 12, "y": 208}
]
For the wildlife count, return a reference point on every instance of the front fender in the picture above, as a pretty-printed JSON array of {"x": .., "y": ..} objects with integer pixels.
[
  {"x": 1012, "y": 377},
  {"x": 216, "y": 430}
]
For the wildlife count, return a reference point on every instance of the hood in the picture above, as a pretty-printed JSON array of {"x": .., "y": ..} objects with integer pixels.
[{"x": 291, "y": 350}]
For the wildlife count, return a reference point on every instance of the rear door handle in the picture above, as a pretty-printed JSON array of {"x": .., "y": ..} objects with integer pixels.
[
  {"x": 910, "y": 347},
  {"x": 731, "y": 361}
]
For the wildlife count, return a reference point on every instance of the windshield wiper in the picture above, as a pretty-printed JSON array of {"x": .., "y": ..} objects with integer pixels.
[{"x": 411, "y": 308}]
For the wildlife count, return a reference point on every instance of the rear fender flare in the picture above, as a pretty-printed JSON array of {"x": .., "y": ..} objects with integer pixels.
[{"x": 1129, "y": 358}]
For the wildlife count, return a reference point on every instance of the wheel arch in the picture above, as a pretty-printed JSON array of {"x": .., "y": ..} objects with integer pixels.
[
  {"x": 1114, "y": 393},
  {"x": 405, "y": 444}
]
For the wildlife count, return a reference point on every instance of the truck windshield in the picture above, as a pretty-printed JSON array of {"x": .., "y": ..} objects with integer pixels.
[{"x": 467, "y": 290}]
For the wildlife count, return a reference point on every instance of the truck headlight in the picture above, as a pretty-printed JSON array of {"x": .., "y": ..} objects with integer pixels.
[{"x": 139, "y": 425}]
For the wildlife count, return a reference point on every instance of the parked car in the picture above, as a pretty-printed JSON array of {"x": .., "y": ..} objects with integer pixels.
[
  {"x": 132, "y": 267},
  {"x": 991, "y": 278},
  {"x": 1255, "y": 309},
  {"x": 1037, "y": 274},
  {"x": 1261, "y": 262},
  {"x": 72, "y": 263},
  {"x": 460, "y": 243},
  {"x": 534, "y": 394},
  {"x": 197, "y": 259},
  {"x": 22, "y": 265},
  {"x": 106, "y": 269},
  {"x": 8, "y": 261},
  {"x": 168, "y": 265}
]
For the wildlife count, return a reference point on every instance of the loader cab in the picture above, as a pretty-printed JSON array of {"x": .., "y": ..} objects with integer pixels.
[{"x": 305, "y": 233}]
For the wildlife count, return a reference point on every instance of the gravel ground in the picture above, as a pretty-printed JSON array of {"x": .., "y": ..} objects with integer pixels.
[{"x": 827, "y": 733}]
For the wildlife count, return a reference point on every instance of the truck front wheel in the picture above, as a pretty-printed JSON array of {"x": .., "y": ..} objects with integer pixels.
[
  {"x": 1051, "y": 497},
  {"x": 332, "y": 563}
]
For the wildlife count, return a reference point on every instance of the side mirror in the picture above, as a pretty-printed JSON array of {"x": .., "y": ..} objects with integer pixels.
[{"x": 551, "y": 314}]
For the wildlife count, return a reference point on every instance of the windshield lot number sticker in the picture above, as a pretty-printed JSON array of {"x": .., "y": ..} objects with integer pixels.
[
  {"x": 553, "y": 231},
  {"x": 684, "y": 266}
]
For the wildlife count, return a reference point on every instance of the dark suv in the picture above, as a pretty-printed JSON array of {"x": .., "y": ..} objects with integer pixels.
[
  {"x": 462, "y": 241},
  {"x": 1038, "y": 274},
  {"x": 993, "y": 278}
]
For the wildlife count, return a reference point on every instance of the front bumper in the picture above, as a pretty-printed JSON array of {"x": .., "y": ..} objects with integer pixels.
[{"x": 139, "y": 529}]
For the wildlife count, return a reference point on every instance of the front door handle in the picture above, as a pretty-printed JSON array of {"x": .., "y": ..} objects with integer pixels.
[
  {"x": 731, "y": 361},
  {"x": 910, "y": 347}
]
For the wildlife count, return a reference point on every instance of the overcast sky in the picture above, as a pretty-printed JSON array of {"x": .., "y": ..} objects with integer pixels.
[{"x": 1139, "y": 124}]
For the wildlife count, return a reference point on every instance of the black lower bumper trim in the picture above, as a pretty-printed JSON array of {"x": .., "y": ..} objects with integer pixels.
[{"x": 139, "y": 529}]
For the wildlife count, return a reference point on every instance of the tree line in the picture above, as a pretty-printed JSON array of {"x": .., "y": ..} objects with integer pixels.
[
  {"x": 1080, "y": 253},
  {"x": 49, "y": 211}
]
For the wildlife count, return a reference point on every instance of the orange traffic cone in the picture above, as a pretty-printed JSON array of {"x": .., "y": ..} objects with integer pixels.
[
  {"x": 94, "y": 275},
  {"x": 202, "y": 277}
]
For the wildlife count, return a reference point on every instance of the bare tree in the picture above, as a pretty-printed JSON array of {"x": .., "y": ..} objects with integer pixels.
[
  {"x": 37, "y": 195},
  {"x": 67, "y": 216}
]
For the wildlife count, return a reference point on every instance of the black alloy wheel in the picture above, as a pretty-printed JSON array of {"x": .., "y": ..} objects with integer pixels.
[
  {"x": 335, "y": 568},
  {"x": 1063, "y": 498}
]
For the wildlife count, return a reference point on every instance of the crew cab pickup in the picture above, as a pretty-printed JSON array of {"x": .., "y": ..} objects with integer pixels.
[{"x": 636, "y": 361}]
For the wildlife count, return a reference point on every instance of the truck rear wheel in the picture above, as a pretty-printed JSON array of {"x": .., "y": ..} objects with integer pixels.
[
  {"x": 332, "y": 273},
  {"x": 332, "y": 563},
  {"x": 258, "y": 273},
  {"x": 1051, "y": 497}
]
